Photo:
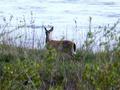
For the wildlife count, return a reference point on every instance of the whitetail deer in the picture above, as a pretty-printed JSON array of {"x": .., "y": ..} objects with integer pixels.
[{"x": 64, "y": 46}]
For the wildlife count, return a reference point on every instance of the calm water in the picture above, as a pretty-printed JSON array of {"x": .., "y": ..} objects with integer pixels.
[{"x": 62, "y": 14}]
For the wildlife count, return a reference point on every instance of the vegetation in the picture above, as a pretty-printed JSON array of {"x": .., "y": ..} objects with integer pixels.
[{"x": 22, "y": 68}]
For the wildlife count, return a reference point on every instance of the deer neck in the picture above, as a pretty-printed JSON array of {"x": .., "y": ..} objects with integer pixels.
[{"x": 48, "y": 38}]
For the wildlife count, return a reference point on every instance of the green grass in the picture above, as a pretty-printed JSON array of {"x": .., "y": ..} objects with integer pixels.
[
  {"x": 44, "y": 69},
  {"x": 23, "y": 68}
]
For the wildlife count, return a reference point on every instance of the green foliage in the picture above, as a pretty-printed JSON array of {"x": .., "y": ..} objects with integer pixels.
[
  {"x": 88, "y": 70},
  {"x": 84, "y": 55},
  {"x": 103, "y": 77},
  {"x": 16, "y": 73},
  {"x": 32, "y": 69}
]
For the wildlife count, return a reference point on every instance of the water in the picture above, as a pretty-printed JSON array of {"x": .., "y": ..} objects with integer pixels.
[{"x": 62, "y": 14}]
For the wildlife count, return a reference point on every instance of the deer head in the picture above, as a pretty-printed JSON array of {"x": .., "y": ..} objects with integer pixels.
[{"x": 48, "y": 32}]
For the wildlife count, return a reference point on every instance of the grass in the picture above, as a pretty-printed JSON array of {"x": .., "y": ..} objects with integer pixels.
[{"x": 23, "y": 68}]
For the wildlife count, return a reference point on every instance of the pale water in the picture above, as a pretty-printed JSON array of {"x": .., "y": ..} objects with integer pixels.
[{"x": 62, "y": 14}]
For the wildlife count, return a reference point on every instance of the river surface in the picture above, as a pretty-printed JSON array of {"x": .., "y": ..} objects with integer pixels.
[{"x": 64, "y": 15}]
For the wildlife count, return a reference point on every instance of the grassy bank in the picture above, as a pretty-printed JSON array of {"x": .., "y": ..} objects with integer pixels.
[{"x": 23, "y": 68}]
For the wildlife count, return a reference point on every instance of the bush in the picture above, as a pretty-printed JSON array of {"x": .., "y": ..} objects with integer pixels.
[{"x": 17, "y": 74}]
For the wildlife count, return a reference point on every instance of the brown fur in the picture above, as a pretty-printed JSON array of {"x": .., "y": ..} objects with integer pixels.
[{"x": 63, "y": 46}]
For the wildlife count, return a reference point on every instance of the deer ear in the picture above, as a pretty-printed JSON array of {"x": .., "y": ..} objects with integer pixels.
[
  {"x": 45, "y": 28},
  {"x": 51, "y": 29}
]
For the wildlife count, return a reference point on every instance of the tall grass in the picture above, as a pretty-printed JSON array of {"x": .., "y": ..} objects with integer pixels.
[{"x": 29, "y": 68}]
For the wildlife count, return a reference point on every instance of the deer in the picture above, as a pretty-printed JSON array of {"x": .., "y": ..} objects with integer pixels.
[{"x": 64, "y": 46}]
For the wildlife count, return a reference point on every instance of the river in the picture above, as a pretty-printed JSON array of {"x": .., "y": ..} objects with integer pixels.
[{"x": 64, "y": 15}]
